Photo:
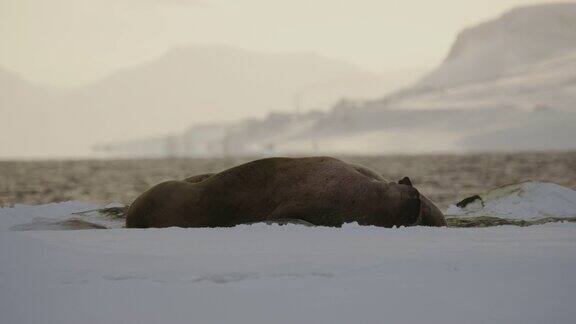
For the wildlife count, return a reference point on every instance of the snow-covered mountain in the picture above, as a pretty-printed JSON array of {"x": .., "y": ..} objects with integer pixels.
[
  {"x": 507, "y": 84},
  {"x": 494, "y": 49}
]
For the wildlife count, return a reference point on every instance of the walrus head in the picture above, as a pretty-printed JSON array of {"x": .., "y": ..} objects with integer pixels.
[
  {"x": 399, "y": 205},
  {"x": 428, "y": 213},
  {"x": 410, "y": 205}
]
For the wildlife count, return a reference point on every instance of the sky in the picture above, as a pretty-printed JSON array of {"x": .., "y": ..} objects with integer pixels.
[{"x": 73, "y": 42}]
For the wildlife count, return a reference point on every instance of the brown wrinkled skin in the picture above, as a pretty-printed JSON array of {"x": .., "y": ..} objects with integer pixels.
[{"x": 319, "y": 190}]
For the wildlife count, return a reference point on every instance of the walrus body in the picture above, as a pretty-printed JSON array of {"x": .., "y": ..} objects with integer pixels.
[{"x": 317, "y": 190}]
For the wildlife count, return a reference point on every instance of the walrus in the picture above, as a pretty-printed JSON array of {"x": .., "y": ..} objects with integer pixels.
[{"x": 322, "y": 191}]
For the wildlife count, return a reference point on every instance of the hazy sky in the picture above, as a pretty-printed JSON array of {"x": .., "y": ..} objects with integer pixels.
[{"x": 69, "y": 42}]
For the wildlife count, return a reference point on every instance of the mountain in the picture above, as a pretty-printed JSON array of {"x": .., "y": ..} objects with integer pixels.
[
  {"x": 508, "y": 84},
  {"x": 493, "y": 49},
  {"x": 188, "y": 85},
  {"x": 198, "y": 84}
]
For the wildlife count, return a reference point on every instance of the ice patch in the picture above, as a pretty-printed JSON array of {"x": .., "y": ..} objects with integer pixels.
[{"x": 526, "y": 200}]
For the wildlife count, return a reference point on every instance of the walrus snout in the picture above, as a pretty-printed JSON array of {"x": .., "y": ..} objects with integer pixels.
[
  {"x": 430, "y": 215},
  {"x": 427, "y": 214}
]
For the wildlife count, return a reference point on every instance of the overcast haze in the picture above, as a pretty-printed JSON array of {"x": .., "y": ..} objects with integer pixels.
[{"x": 70, "y": 42}]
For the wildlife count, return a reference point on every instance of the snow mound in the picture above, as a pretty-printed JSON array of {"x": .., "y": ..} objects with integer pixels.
[
  {"x": 56, "y": 216},
  {"x": 525, "y": 200}
]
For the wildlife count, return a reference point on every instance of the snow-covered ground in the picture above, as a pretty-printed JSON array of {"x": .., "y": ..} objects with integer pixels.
[{"x": 289, "y": 274}]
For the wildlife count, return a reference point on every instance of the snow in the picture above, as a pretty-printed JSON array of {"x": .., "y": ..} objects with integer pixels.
[
  {"x": 290, "y": 274},
  {"x": 525, "y": 200},
  {"x": 287, "y": 274}
]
